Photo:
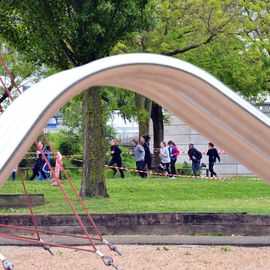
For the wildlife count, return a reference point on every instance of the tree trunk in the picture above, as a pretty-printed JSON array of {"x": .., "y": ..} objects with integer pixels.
[
  {"x": 143, "y": 106},
  {"x": 158, "y": 129},
  {"x": 93, "y": 182}
]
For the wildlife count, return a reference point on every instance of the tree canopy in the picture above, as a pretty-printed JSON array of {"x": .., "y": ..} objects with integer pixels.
[
  {"x": 61, "y": 33},
  {"x": 230, "y": 39},
  {"x": 66, "y": 33}
]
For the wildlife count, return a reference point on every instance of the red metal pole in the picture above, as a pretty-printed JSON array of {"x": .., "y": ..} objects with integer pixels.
[
  {"x": 75, "y": 191},
  {"x": 66, "y": 196},
  {"x": 9, "y": 74},
  {"x": 29, "y": 203},
  {"x": 6, "y": 89}
]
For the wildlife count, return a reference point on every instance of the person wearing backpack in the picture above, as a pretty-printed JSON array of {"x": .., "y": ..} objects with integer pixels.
[
  {"x": 213, "y": 155},
  {"x": 174, "y": 153},
  {"x": 195, "y": 156}
]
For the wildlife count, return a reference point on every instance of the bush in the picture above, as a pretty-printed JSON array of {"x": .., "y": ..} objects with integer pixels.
[
  {"x": 184, "y": 168},
  {"x": 66, "y": 148}
]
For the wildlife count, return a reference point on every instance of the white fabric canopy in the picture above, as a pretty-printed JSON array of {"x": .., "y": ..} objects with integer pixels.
[{"x": 190, "y": 93}]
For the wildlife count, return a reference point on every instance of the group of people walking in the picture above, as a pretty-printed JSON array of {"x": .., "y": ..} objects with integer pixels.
[
  {"x": 143, "y": 157},
  {"x": 168, "y": 156},
  {"x": 41, "y": 169},
  {"x": 168, "y": 153},
  {"x": 195, "y": 156}
]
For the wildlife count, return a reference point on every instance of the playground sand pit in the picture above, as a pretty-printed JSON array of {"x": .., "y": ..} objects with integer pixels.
[{"x": 143, "y": 258}]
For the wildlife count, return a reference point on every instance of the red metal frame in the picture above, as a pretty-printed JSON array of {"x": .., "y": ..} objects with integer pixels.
[{"x": 36, "y": 230}]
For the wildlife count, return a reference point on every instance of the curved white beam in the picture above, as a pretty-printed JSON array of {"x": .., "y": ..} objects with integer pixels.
[{"x": 187, "y": 91}]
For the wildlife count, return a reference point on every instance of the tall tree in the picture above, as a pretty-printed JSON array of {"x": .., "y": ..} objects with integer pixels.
[{"x": 68, "y": 33}]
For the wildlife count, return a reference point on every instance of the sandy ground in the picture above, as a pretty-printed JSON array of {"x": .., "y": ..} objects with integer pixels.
[{"x": 143, "y": 258}]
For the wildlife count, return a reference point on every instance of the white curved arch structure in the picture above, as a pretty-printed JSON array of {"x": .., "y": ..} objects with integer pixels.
[{"x": 187, "y": 91}]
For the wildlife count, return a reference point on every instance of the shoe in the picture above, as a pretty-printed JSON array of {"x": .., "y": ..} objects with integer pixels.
[
  {"x": 203, "y": 165},
  {"x": 115, "y": 173},
  {"x": 173, "y": 177}
]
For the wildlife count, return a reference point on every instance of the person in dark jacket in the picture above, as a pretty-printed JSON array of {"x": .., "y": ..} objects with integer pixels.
[
  {"x": 213, "y": 155},
  {"x": 116, "y": 158},
  {"x": 147, "y": 154},
  {"x": 44, "y": 168},
  {"x": 37, "y": 165},
  {"x": 174, "y": 152},
  {"x": 195, "y": 156}
]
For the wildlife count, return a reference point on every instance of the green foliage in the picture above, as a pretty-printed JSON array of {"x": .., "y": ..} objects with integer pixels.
[
  {"x": 66, "y": 148},
  {"x": 77, "y": 32},
  {"x": 184, "y": 168},
  {"x": 230, "y": 39},
  {"x": 21, "y": 69},
  {"x": 65, "y": 142},
  {"x": 120, "y": 101},
  {"x": 226, "y": 249},
  {"x": 110, "y": 133},
  {"x": 245, "y": 71}
]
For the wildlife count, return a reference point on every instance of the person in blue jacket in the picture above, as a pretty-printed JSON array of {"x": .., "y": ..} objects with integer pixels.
[
  {"x": 195, "y": 156},
  {"x": 116, "y": 158}
]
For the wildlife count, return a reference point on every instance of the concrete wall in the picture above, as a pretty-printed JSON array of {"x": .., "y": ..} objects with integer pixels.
[
  {"x": 19, "y": 200},
  {"x": 149, "y": 223},
  {"x": 179, "y": 132}
]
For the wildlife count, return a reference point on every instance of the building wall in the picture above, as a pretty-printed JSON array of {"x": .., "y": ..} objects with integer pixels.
[{"x": 182, "y": 135}]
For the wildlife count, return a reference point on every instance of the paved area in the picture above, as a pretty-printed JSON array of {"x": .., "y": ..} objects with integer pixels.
[{"x": 157, "y": 240}]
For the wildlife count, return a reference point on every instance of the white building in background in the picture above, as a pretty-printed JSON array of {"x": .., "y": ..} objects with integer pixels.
[{"x": 179, "y": 132}]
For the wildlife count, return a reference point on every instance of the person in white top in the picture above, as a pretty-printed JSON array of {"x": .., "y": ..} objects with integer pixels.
[{"x": 165, "y": 157}]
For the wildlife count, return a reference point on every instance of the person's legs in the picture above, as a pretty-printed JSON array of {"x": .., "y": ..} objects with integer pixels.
[
  {"x": 13, "y": 176},
  {"x": 173, "y": 170},
  {"x": 43, "y": 174},
  {"x": 167, "y": 168},
  {"x": 112, "y": 161},
  {"x": 144, "y": 174},
  {"x": 211, "y": 168},
  {"x": 198, "y": 167},
  {"x": 35, "y": 173},
  {"x": 148, "y": 162},
  {"x": 140, "y": 167},
  {"x": 194, "y": 168},
  {"x": 119, "y": 165}
]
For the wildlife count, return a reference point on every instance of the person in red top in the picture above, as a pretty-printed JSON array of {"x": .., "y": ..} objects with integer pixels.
[{"x": 174, "y": 153}]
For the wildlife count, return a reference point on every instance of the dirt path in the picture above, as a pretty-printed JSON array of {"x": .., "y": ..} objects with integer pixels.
[{"x": 143, "y": 258}]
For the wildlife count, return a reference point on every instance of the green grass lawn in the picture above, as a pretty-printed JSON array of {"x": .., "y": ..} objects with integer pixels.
[{"x": 134, "y": 195}]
